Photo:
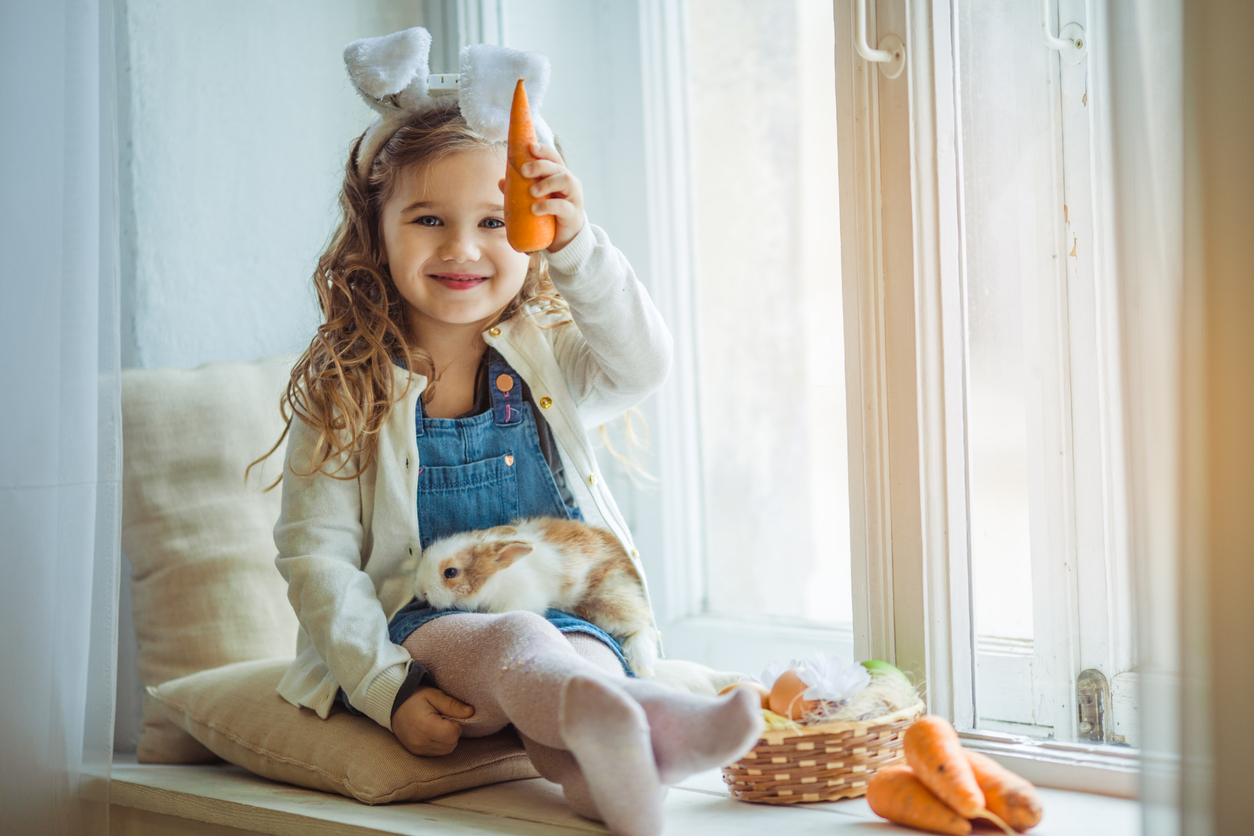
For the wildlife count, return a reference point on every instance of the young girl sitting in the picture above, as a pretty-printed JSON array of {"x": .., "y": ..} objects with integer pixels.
[{"x": 451, "y": 388}]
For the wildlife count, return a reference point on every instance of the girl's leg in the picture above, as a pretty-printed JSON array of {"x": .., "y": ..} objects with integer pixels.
[
  {"x": 690, "y": 733},
  {"x": 558, "y": 765},
  {"x": 516, "y": 667}
]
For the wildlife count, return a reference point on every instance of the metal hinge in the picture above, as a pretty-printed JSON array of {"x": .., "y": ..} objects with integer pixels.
[{"x": 1092, "y": 699}]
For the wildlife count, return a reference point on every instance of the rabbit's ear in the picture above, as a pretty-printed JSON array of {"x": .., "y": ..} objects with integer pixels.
[
  {"x": 391, "y": 67},
  {"x": 500, "y": 531},
  {"x": 508, "y": 552}
]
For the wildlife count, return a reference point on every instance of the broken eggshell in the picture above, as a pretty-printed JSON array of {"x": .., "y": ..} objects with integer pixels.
[{"x": 804, "y": 689}]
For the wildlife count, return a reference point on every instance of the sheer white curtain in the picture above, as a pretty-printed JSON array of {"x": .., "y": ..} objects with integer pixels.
[{"x": 60, "y": 455}]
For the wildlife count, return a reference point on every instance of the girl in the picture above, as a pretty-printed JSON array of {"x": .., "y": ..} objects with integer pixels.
[{"x": 450, "y": 388}]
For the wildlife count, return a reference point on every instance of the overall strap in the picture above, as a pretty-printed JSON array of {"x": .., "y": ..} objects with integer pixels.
[{"x": 506, "y": 388}]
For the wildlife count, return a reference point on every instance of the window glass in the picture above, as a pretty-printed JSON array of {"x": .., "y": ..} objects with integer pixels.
[
  {"x": 770, "y": 339},
  {"x": 1005, "y": 102}
]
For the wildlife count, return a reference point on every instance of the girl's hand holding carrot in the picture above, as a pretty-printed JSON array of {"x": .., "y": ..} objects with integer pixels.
[
  {"x": 559, "y": 193},
  {"x": 534, "y": 170}
]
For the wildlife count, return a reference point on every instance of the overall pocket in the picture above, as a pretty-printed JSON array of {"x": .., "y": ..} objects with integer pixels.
[{"x": 466, "y": 497}]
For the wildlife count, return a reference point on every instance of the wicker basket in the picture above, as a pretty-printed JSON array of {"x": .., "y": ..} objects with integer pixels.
[{"x": 819, "y": 763}]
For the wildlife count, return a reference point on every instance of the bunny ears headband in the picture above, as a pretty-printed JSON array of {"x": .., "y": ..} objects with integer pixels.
[{"x": 391, "y": 73}]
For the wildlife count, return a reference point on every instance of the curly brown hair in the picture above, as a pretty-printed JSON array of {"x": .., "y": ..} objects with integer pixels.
[{"x": 343, "y": 384}]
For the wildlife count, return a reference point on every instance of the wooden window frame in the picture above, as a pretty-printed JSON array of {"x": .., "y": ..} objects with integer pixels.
[{"x": 901, "y": 257}]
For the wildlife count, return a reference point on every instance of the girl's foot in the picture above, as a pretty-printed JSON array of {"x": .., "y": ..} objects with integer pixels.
[
  {"x": 692, "y": 733},
  {"x": 608, "y": 733}
]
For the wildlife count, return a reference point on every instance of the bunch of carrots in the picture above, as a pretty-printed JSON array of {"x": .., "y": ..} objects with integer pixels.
[{"x": 945, "y": 786}]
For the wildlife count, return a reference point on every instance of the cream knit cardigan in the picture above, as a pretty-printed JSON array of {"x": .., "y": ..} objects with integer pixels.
[{"x": 348, "y": 549}]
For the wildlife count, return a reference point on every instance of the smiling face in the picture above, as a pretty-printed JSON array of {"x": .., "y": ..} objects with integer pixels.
[{"x": 443, "y": 233}]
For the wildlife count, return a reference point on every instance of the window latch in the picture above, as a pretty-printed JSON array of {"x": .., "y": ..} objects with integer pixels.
[
  {"x": 1092, "y": 694},
  {"x": 891, "y": 56},
  {"x": 1071, "y": 45}
]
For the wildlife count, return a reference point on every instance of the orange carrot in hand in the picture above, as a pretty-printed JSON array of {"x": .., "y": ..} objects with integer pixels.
[
  {"x": 525, "y": 231},
  {"x": 895, "y": 793},
  {"x": 939, "y": 761},
  {"x": 1010, "y": 796}
]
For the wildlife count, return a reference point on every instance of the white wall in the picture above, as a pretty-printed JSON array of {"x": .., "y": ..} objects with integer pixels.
[{"x": 236, "y": 120}]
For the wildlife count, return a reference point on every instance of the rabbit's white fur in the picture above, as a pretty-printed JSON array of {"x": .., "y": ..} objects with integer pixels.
[{"x": 538, "y": 564}]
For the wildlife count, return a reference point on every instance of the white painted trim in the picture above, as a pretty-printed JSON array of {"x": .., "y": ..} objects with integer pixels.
[
  {"x": 941, "y": 362},
  {"x": 904, "y": 379},
  {"x": 455, "y": 23},
  {"x": 480, "y": 22},
  {"x": 440, "y": 19},
  {"x": 184, "y": 799},
  {"x": 1097, "y": 769},
  {"x": 862, "y": 278}
]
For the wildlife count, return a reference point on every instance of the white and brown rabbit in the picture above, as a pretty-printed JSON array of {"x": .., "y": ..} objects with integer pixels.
[{"x": 568, "y": 565}]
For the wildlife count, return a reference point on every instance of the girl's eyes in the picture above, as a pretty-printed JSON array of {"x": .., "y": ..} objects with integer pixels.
[{"x": 432, "y": 220}]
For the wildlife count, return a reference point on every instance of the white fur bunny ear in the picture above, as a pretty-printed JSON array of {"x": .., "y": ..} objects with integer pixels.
[
  {"x": 390, "y": 72},
  {"x": 488, "y": 77}
]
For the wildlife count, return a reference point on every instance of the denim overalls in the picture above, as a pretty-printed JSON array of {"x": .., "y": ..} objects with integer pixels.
[{"x": 483, "y": 471}]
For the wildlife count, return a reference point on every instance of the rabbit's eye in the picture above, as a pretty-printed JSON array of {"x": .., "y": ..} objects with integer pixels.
[{"x": 450, "y": 573}]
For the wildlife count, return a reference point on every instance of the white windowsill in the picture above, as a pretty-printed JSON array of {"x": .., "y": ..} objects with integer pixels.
[{"x": 226, "y": 800}]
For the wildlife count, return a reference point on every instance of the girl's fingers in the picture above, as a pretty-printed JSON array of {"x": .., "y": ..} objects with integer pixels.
[
  {"x": 547, "y": 152},
  {"x": 541, "y": 168},
  {"x": 559, "y": 184},
  {"x": 500, "y": 184},
  {"x": 560, "y": 208}
]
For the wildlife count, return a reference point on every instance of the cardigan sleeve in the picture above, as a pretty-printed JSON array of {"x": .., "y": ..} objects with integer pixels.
[
  {"x": 319, "y": 537},
  {"x": 620, "y": 350}
]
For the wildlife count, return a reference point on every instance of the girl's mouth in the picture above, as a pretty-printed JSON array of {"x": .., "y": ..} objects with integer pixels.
[{"x": 458, "y": 281}]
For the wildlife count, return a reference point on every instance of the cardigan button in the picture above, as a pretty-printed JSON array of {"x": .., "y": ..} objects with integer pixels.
[
  {"x": 496, "y": 332},
  {"x": 546, "y": 402},
  {"x": 635, "y": 553},
  {"x": 592, "y": 480}
]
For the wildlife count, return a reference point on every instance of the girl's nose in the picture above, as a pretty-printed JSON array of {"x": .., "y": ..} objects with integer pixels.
[{"x": 459, "y": 245}]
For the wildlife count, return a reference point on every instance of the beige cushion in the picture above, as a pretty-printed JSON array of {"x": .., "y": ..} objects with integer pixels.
[
  {"x": 235, "y": 712},
  {"x": 204, "y": 587}
]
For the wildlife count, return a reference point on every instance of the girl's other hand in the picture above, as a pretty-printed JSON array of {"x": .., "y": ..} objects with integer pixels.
[
  {"x": 561, "y": 190},
  {"x": 423, "y": 726}
]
